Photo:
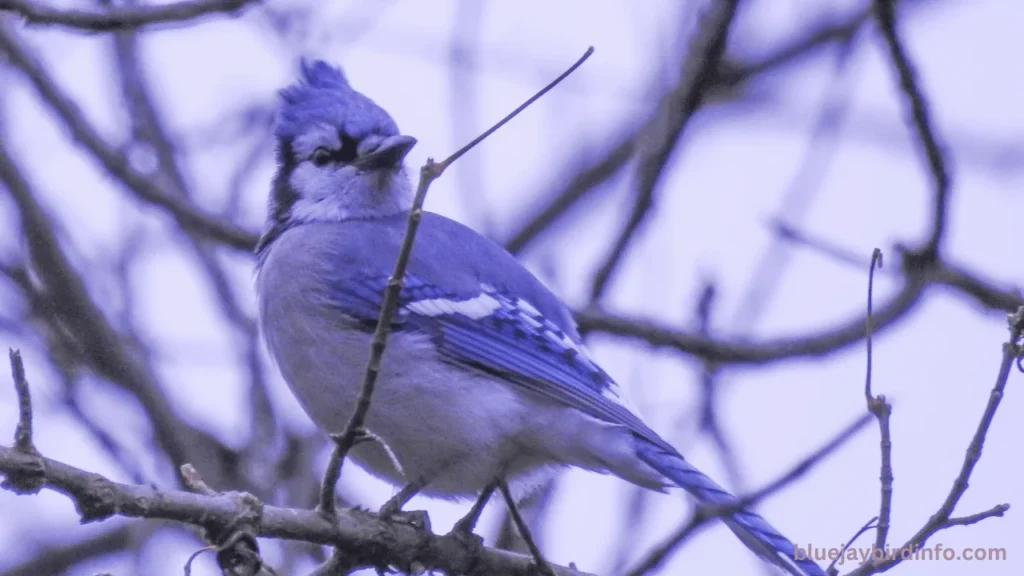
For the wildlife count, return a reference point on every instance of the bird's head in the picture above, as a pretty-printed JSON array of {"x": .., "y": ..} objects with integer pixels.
[{"x": 340, "y": 155}]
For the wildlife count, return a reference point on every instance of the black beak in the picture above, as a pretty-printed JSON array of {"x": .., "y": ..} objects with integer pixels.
[{"x": 389, "y": 154}]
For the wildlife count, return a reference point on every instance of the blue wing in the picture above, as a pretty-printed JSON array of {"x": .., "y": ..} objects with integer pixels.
[{"x": 500, "y": 335}]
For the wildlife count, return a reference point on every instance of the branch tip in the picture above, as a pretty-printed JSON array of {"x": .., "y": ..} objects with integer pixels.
[
  {"x": 23, "y": 432},
  {"x": 458, "y": 154}
]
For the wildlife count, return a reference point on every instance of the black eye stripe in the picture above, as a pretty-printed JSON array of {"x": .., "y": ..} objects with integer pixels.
[
  {"x": 282, "y": 195},
  {"x": 322, "y": 155},
  {"x": 349, "y": 148}
]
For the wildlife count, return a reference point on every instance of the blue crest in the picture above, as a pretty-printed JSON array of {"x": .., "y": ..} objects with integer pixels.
[{"x": 323, "y": 96}]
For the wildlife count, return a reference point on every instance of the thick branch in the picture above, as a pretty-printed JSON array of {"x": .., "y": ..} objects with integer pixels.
[
  {"x": 114, "y": 162},
  {"x": 59, "y": 559},
  {"x": 102, "y": 347},
  {"x": 122, "y": 17},
  {"x": 813, "y": 345},
  {"x": 359, "y": 535}
]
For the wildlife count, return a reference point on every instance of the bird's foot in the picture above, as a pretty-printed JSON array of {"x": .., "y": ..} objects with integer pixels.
[
  {"x": 463, "y": 532},
  {"x": 418, "y": 519}
]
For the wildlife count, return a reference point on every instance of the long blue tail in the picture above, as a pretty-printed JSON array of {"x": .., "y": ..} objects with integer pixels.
[{"x": 753, "y": 530}]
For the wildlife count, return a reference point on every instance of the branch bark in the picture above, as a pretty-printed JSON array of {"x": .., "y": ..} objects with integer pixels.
[
  {"x": 360, "y": 535},
  {"x": 122, "y": 17}
]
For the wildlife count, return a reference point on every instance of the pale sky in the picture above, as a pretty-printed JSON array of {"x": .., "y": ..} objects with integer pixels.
[{"x": 726, "y": 184}]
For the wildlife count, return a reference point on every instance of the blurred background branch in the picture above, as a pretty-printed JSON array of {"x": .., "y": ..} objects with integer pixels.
[{"x": 707, "y": 202}]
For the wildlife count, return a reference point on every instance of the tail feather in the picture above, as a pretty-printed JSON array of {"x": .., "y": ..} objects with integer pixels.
[{"x": 753, "y": 530}]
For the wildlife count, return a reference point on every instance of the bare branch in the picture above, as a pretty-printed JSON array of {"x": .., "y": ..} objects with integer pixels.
[
  {"x": 997, "y": 510},
  {"x": 101, "y": 347},
  {"x": 942, "y": 519},
  {"x": 730, "y": 74},
  {"x": 882, "y": 410},
  {"x": 821, "y": 149},
  {"x": 117, "y": 164},
  {"x": 58, "y": 559},
  {"x": 121, "y": 17},
  {"x": 867, "y": 526},
  {"x": 23, "y": 432},
  {"x": 374, "y": 543},
  {"x": 885, "y": 15},
  {"x": 148, "y": 127},
  {"x": 811, "y": 345},
  {"x": 940, "y": 273},
  {"x": 586, "y": 179},
  {"x": 661, "y": 135},
  {"x": 524, "y": 530}
]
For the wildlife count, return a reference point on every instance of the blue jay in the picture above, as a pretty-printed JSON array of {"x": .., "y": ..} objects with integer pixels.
[{"x": 485, "y": 378}]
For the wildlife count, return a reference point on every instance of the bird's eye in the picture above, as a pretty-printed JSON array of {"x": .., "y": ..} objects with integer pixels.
[
  {"x": 349, "y": 149},
  {"x": 321, "y": 156}
]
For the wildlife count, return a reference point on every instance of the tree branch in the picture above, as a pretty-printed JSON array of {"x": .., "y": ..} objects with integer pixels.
[
  {"x": 115, "y": 163},
  {"x": 662, "y": 133},
  {"x": 122, "y": 17},
  {"x": 58, "y": 559},
  {"x": 942, "y": 519},
  {"x": 885, "y": 15},
  {"x": 101, "y": 347},
  {"x": 360, "y": 535}
]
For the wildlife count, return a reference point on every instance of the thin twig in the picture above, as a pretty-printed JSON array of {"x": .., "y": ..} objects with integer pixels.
[
  {"x": 192, "y": 558},
  {"x": 524, "y": 530},
  {"x": 867, "y": 526},
  {"x": 710, "y": 385},
  {"x": 885, "y": 15},
  {"x": 122, "y": 17},
  {"x": 704, "y": 514},
  {"x": 458, "y": 154},
  {"x": 430, "y": 172},
  {"x": 97, "y": 342},
  {"x": 193, "y": 481},
  {"x": 788, "y": 233},
  {"x": 882, "y": 410},
  {"x": 64, "y": 558},
  {"x": 23, "y": 432},
  {"x": 942, "y": 518},
  {"x": 941, "y": 272},
  {"x": 820, "y": 152},
  {"x": 663, "y": 132},
  {"x": 997, "y": 510},
  {"x": 117, "y": 165},
  {"x": 586, "y": 179}
]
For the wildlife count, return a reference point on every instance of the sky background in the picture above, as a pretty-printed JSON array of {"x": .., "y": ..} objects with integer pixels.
[{"x": 728, "y": 181}]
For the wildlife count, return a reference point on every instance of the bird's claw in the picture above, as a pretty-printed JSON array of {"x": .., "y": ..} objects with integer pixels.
[
  {"x": 463, "y": 532},
  {"x": 418, "y": 519}
]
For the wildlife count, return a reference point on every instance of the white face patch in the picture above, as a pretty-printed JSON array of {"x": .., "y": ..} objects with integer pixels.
[
  {"x": 335, "y": 193},
  {"x": 321, "y": 192},
  {"x": 476, "y": 308}
]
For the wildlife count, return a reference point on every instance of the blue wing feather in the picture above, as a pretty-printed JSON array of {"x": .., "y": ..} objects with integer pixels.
[
  {"x": 513, "y": 342},
  {"x": 521, "y": 348}
]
